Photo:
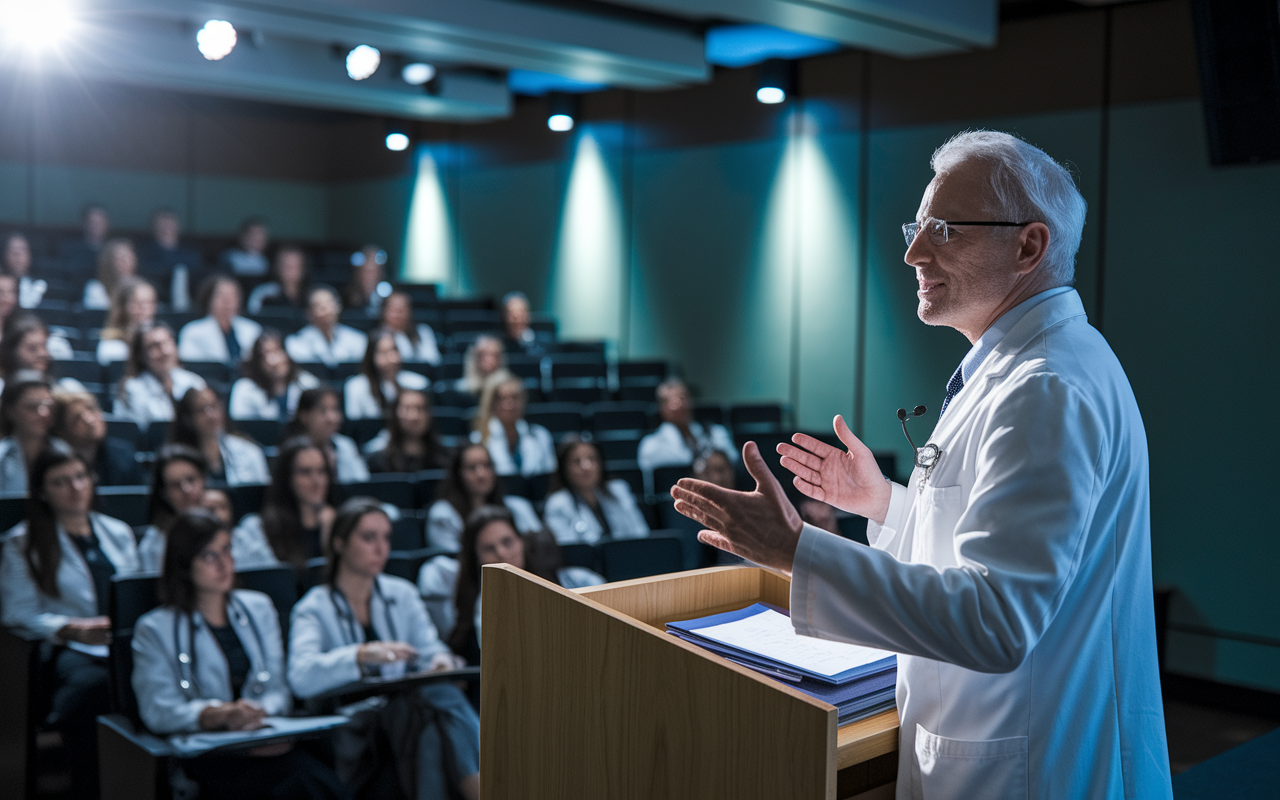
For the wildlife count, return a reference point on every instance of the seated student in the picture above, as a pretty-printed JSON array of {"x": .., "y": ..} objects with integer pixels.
[
  {"x": 77, "y": 420},
  {"x": 27, "y": 345},
  {"x": 26, "y": 417},
  {"x": 8, "y": 297},
  {"x": 362, "y": 292},
  {"x": 484, "y": 360},
  {"x": 272, "y": 383},
  {"x": 368, "y": 393},
  {"x": 715, "y": 467},
  {"x": 152, "y": 378},
  {"x": 362, "y": 622},
  {"x": 216, "y": 502},
  {"x": 518, "y": 336},
  {"x": 585, "y": 505},
  {"x": 17, "y": 262},
  {"x": 199, "y": 422},
  {"x": 472, "y": 483},
  {"x": 517, "y": 446},
  {"x": 325, "y": 339},
  {"x": 490, "y": 537},
  {"x": 412, "y": 443},
  {"x": 297, "y": 512},
  {"x": 177, "y": 486},
  {"x": 211, "y": 658},
  {"x": 55, "y": 577},
  {"x": 679, "y": 440},
  {"x": 222, "y": 334},
  {"x": 290, "y": 284},
  {"x": 416, "y": 341},
  {"x": 319, "y": 416},
  {"x": 133, "y": 304},
  {"x": 174, "y": 267},
  {"x": 249, "y": 258},
  {"x": 116, "y": 261},
  {"x": 81, "y": 255}
]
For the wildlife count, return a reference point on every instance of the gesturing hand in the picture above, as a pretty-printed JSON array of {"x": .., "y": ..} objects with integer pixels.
[
  {"x": 87, "y": 630},
  {"x": 385, "y": 652},
  {"x": 761, "y": 526},
  {"x": 850, "y": 481}
]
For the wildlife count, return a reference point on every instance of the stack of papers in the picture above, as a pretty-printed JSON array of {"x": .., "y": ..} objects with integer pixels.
[{"x": 858, "y": 681}]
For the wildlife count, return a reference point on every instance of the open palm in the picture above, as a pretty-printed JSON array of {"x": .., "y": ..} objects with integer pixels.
[{"x": 848, "y": 479}]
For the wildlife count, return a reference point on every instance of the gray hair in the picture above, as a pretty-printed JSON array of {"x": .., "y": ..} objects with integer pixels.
[{"x": 1026, "y": 185}]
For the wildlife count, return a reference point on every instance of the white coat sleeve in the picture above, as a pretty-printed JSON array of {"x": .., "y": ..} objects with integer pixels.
[
  {"x": 249, "y": 545},
  {"x": 242, "y": 404},
  {"x": 422, "y": 632},
  {"x": 276, "y": 699},
  {"x": 444, "y": 529},
  {"x": 20, "y": 606},
  {"x": 1018, "y": 539},
  {"x": 312, "y": 669},
  {"x": 628, "y": 510},
  {"x": 163, "y": 706},
  {"x": 560, "y": 516}
]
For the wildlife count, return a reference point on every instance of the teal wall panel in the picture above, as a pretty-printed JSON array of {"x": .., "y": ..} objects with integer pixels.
[
  {"x": 373, "y": 211},
  {"x": 13, "y": 192},
  {"x": 293, "y": 209},
  {"x": 131, "y": 195}
]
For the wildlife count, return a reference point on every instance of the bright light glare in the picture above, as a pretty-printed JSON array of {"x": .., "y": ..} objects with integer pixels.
[
  {"x": 363, "y": 61},
  {"x": 770, "y": 95},
  {"x": 36, "y": 25},
  {"x": 417, "y": 73},
  {"x": 560, "y": 122},
  {"x": 397, "y": 141},
  {"x": 216, "y": 39}
]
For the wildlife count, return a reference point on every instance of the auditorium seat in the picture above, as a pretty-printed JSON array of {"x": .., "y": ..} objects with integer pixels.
[
  {"x": 467, "y": 320},
  {"x": 407, "y": 533},
  {"x": 246, "y": 499},
  {"x": 572, "y": 392},
  {"x": 450, "y": 421},
  {"x": 618, "y": 445},
  {"x": 394, "y": 488},
  {"x": 424, "y": 295},
  {"x": 757, "y": 418},
  {"x": 657, "y": 554},
  {"x": 620, "y": 417},
  {"x": 425, "y": 486},
  {"x": 560, "y": 419},
  {"x": 266, "y": 432},
  {"x": 706, "y": 414},
  {"x": 214, "y": 372},
  {"x": 126, "y": 503},
  {"x": 665, "y": 477}
]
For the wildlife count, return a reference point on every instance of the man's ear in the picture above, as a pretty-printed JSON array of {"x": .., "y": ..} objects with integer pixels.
[{"x": 1033, "y": 244}]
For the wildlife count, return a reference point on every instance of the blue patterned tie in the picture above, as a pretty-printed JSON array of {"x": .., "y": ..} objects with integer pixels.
[{"x": 953, "y": 388}]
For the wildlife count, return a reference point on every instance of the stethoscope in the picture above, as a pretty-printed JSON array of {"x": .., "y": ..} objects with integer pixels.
[
  {"x": 927, "y": 456},
  {"x": 348, "y": 617},
  {"x": 188, "y": 668}
]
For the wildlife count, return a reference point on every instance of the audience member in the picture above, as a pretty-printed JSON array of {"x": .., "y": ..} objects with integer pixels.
[
  {"x": 132, "y": 304},
  {"x": 116, "y": 262},
  {"x": 152, "y": 378},
  {"x": 412, "y": 442},
  {"x": 200, "y": 422},
  {"x": 17, "y": 262},
  {"x": 177, "y": 486},
  {"x": 325, "y": 339},
  {"x": 289, "y": 287},
  {"x": 173, "y": 267},
  {"x": 485, "y": 359},
  {"x": 417, "y": 342},
  {"x": 367, "y": 394},
  {"x": 297, "y": 512},
  {"x": 365, "y": 291},
  {"x": 217, "y": 503},
  {"x": 362, "y": 622},
  {"x": 472, "y": 483},
  {"x": 517, "y": 446},
  {"x": 517, "y": 335},
  {"x": 81, "y": 255},
  {"x": 26, "y": 416},
  {"x": 222, "y": 334},
  {"x": 55, "y": 578},
  {"x": 272, "y": 383},
  {"x": 679, "y": 440},
  {"x": 585, "y": 506},
  {"x": 319, "y": 416},
  {"x": 234, "y": 678},
  {"x": 249, "y": 258},
  {"x": 8, "y": 297},
  {"x": 27, "y": 345},
  {"x": 77, "y": 420}
]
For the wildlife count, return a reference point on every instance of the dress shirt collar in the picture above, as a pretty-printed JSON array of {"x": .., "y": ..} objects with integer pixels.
[{"x": 992, "y": 336}]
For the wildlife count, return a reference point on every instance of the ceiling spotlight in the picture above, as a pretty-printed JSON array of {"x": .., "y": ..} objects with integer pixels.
[
  {"x": 397, "y": 141},
  {"x": 563, "y": 109},
  {"x": 775, "y": 80},
  {"x": 37, "y": 26},
  {"x": 560, "y": 122},
  {"x": 363, "y": 61},
  {"x": 216, "y": 39},
  {"x": 770, "y": 95},
  {"x": 417, "y": 73}
]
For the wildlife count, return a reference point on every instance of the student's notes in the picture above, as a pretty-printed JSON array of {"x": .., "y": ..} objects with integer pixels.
[{"x": 273, "y": 728}]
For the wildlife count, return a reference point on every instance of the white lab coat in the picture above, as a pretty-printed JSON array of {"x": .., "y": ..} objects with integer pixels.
[
  {"x": 243, "y": 462},
  {"x": 358, "y": 399},
  {"x": 13, "y": 465},
  {"x": 537, "y": 450},
  {"x": 250, "y": 401},
  {"x": 351, "y": 466},
  {"x": 1016, "y": 585},
  {"x": 31, "y": 613},
  {"x": 665, "y": 447},
  {"x": 202, "y": 339},
  {"x": 427, "y": 350},
  {"x": 444, "y": 523},
  {"x": 573, "y": 522},
  {"x": 309, "y": 346},
  {"x": 145, "y": 399},
  {"x": 31, "y": 291},
  {"x": 95, "y": 296},
  {"x": 110, "y": 350},
  {"x": 164, "y": 705}
]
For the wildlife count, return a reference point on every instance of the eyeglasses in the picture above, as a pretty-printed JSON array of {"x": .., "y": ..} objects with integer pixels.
[
  {"x": 70, "y": 481},
  {"x": 939, "y": 229},
  {"x": 214, "y": 556}
]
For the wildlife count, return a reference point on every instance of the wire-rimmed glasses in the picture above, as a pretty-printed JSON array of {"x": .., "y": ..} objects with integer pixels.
[{"x": 939, "y": 229}]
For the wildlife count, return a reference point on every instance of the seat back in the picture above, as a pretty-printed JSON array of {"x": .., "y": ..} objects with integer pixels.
[
  {"x": 665, "y": 477},
  {"x": 395, "y": 488},
  {"x": 280, "y": 583},
  {"x": 125, "y": 503},
  {"x": 624, "y": 559},
  {"x": 266, "y": 432},
  {"x": 246, "y": 499},
  {"x": 407, "y": 533},
  {"x": 406, "y": 564},
  {"x": 131, "y": 597}
]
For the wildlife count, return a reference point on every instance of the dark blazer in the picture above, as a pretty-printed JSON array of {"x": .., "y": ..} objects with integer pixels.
[{"x": 116, "y": 464}]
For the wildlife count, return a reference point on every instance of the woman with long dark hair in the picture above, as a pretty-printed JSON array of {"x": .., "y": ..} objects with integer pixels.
[
  {"x": 26, "y": 417},
  {"x": 362, "y": 622},
  {"x": 55, "y": 581},
  {"x": 27, "y": 345},
  {"x": 412, "y": 441},
  {"x": 152, "y": 378},
  {"x": 200, "y": 422},
  {"x": 177, "y": 486},
  {"x": 117, "y": 261},
  {"x": 367, "y": 394},
  {"x": 297, "y": 512},
  {"x": 319, "y": 416},
  {"x": 470, "y": 484},
  {"x": 585, "y": 505},
  {"x": 132, "y": 304},
  {"x": 272, "y": 383},
  {"x": 416, "y": 340},
  {"x": 211, "y": 658}
]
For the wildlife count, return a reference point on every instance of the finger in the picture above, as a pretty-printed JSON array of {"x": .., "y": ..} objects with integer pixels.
[
  {"x": 853, "y": 443},
  {"x": 766, "y": 484},
  {"x": 817, "y": 447},
  {"x": 801, "y": 471},
  {"x": 801, "y": 456},
  {"x": 810, "y": 490},
  {"x": 700, "y": 515},
  {"x": 692, "y": 488},
  {"x": 718, "y": 541}
]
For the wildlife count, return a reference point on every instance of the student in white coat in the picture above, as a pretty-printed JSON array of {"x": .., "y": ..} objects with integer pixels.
[
  {"x": 117, "y": 261},
  {"x": 133, "y": 304},
  {"x": 325, "y": 340},
  {"x": 297, "y": 510},
  {"x": 26, "y": 344},
  {"x": 26, "y": 417},
  {"x": 470, "y": 484},
  {"x": 272, "y": 383},
  {"x": 1013, "y": 573},
  {"x": 517, "y": 446},
  {"x": 177, "y": 486},
  {"x": 361, "y": 622},
  {"x": 199, "y": 422},
  {"x": 368, "y": 393},
  {"x": 585, "y": 506},
  {"x": 221, "y": 334},
  {"x": 319, "y": 416},
  {"x": 679, "y": 440},
  {"x": 55, "y": 579},
  {"x": 416, "y": 340},
  {"x": 152, "y": 379},
  {"x": 211, "y": 658},
  {"x": 16, "y": 258}
]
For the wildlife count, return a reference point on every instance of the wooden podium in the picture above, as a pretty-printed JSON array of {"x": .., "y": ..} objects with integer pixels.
[{"x": 584, "y": 695}]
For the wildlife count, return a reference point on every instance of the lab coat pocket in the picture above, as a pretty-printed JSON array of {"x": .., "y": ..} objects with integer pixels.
[
  {"x": 940, "y": 510},
  {"x": 995, "y": 769}
]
